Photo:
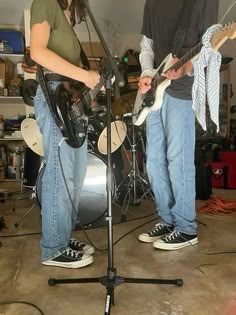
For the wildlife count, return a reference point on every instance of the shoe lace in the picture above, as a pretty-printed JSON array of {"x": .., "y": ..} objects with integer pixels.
[
  {"x": 172, "y": 236},
  {"x": 75, "y": 242},
  {"x": 72, "y": 253},
  {"x": 156, "y": 228}
]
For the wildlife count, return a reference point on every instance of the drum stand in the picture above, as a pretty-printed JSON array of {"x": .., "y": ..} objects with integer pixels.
[
  {"x": 111, "y": 280},
  {"x": 33, "y": 195},
  {"x": 135, "y": 183}
]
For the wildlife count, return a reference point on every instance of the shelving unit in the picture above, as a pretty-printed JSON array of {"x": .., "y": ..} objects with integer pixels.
[
  {"x": 12, "y": 100},
  {"x": 8, "y": 145},
  {"x": 15, "y": 58},
  {"x": 10, "y": 139}
]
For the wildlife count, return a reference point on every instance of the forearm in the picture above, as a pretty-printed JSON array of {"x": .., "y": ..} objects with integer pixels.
[
  {"x": 53, "y": 62},
  {"x": 146, "y": 57},
  {"x": 188, "y": 68}
]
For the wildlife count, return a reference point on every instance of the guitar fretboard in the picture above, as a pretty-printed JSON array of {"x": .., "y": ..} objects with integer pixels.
[{"x": 188, "y": 56}]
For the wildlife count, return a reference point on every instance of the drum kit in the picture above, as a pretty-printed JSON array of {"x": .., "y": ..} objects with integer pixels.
[{"x": 93, "y": 198}]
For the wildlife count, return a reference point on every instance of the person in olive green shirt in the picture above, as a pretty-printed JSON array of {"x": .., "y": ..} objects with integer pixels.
[{"x": 54, "y": 46}]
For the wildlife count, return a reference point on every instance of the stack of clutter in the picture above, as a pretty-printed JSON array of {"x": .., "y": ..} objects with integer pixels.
[{"x": 15, "y": 164}]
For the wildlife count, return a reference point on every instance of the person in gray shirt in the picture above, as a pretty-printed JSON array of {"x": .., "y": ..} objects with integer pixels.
[{"x": 170, "y": 130}]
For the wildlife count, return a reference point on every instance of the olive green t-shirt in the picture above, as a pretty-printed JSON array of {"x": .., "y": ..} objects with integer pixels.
[{"x": 63, "y": 40}]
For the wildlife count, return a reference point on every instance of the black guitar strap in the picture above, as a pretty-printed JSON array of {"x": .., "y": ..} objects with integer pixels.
[
  {"x": 84, "y": 59},
  {"x": 48, "y": 96},
  {"x": 183, "y": 25},
  {"x": 83, "y": 56}
]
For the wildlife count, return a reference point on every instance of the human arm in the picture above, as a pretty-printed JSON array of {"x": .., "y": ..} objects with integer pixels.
[
  {"x": 40, "y": 53},
  {"x": 172, "y": 74},
  {"x": 146, "y": 59}
]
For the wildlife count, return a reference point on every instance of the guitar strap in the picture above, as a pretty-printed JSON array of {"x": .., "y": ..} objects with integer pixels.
[
  {"x": 48, "y": 96},
  {"x": 182, "y": 26}
]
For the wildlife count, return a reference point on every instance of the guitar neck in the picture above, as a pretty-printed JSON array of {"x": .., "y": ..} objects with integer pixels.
[
  {"x": 93, "y": 93},
  {"x": 188, "y": 56}
]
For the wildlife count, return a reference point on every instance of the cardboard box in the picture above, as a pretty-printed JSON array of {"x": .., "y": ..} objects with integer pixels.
[
  {"x": 7, "y": 72},
  {"x": 94, "y": 53},
  {"x": 93, "y": 50}
]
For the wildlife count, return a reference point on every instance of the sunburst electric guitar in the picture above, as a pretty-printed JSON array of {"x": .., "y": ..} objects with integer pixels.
[{"x": 152, "y": 100}]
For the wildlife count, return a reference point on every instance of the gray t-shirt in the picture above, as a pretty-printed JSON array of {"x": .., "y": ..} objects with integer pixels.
[{"x": 161, "y": 20}]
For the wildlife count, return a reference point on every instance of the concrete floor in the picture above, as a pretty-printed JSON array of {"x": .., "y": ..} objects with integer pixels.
[{"x": 209, "y": 279}]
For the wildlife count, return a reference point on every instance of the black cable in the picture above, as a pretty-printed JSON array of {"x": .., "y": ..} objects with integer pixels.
[
  {"x": 22, "y": 302},
  {"x": 16, "y": 235},
  {"x": 220, "y": 253}
]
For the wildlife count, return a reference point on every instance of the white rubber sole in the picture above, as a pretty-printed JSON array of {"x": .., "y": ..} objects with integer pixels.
[
  {"x": 162, "y": 245},
  {"x": 72, "y": 265},
  {"x": 147, "y": 239},
  {"x": 88, "y": 250}
]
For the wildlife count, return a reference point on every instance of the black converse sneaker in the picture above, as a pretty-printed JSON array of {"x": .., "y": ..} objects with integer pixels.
[
  {"x": 157, "y": 232},
  {"x": 176, "y": 240},
  {"x": 81, "y": 246},
  {"x": 70, "y": 258}
]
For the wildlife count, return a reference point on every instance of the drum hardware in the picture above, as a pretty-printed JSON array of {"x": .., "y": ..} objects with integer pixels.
[
  {"x": 33, "y": 196},
  {"x": 33, "y": 154},
  {"x": 32, "y": 135},
  {"x": 124, "y": 104},
  {"x": 97, "y": 131},
  {"x": 134, "y": 186},
  {"x": 93, "y": 195}
]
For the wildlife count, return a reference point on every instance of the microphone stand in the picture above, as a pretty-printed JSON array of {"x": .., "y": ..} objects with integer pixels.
[{"x": 110, "y": 280}]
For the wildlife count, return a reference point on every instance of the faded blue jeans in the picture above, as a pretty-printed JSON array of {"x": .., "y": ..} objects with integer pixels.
[
  {"x": 59, "y": 216},
  {"x": 170, "y": 162}
]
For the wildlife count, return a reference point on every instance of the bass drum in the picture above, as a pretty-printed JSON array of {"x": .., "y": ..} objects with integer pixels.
[
  {"x": 93, "y": 197},
  {"x": 32, "y": 163}
]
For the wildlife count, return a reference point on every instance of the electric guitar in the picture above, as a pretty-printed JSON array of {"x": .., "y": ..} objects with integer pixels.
[
  {"x": 71, "y": 109},
  {"x": 152, "y": 100}
]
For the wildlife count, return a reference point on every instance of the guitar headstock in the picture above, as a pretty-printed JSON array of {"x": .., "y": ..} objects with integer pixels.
[{"x": 228, "y": 31}]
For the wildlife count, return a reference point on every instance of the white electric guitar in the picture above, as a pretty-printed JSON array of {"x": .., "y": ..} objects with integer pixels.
[{"x": 152, "y": 100}]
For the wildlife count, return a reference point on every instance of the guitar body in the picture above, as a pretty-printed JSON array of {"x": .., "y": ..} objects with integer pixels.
[
  {"x": 152, "y": 100},
  {"x": 144, "y": 107},
  {"x": 71, "y": 109}
]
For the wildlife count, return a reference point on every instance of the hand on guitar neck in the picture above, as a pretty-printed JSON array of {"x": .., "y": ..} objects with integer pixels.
[
  {"x": 145, "y": 83},
  {"x": 173, "y": 74}
]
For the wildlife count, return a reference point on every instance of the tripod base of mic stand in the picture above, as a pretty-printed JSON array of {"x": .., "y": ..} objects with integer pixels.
[{"x": 112, "y": 282}]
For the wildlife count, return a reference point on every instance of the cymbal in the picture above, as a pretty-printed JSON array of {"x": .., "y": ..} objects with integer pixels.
[
  {"x": 124, "y": 104},
  {"x": 32, "y": 135}
]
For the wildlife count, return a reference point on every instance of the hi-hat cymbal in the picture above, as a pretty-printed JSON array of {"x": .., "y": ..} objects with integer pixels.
[
  {"x": 32, "y": 135},
  {"x": 124, "y": 104}
]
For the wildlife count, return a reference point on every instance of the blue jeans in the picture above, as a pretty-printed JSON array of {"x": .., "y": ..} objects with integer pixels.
[
  {"x": 170, "y": 162},
  {"x": 59, "y": 216}
]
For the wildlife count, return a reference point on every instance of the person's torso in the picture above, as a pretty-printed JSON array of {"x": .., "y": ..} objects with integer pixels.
[
  {"x": 63, "y": 40},
  {"x": 162, "y": 19}
]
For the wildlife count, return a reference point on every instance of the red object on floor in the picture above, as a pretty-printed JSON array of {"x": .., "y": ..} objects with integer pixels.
[
  {"x": 217, "y": 205},
  {"x": 229, "y": 157},
  {"x": 223, "y": 175}
]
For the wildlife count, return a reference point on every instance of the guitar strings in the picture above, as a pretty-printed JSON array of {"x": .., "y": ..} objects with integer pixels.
[{"x": 228, "y": 10}]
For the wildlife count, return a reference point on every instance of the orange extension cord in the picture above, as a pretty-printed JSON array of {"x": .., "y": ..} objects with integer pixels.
[{"x": 216, "y": 205}]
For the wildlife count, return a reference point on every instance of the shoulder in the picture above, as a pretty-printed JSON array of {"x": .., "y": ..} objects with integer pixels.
[{"x": 44, "y": 10}]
